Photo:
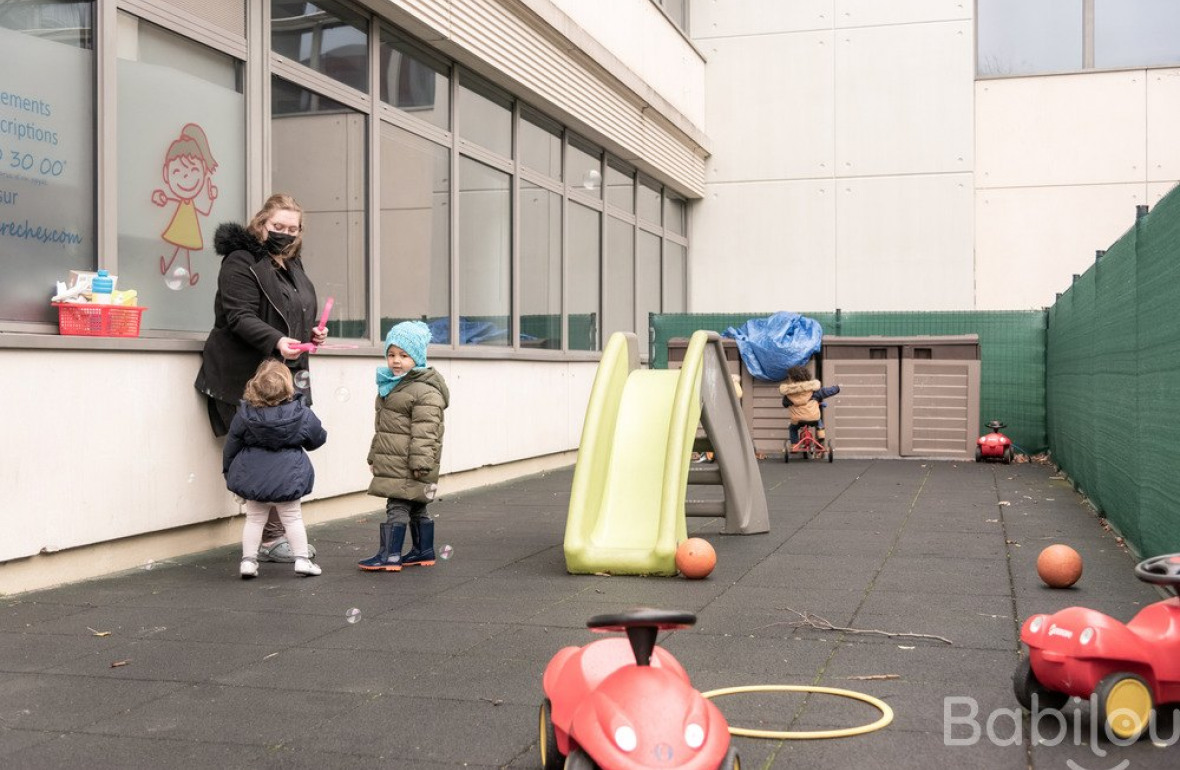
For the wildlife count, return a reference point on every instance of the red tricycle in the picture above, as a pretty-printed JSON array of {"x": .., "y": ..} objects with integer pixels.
[
  {"x": 994, "y": 445},
  {"x": 813, "y": 444},
  {"x": 1127, "y": 669},
  {"x": 622, "y": 704}
]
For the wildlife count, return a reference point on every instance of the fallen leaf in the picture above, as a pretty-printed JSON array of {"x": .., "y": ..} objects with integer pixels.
[
  {"x": 98, "y": 633},
  {"x": 903, "y": 647},
  {"x": 119, "y": 663},
  {"x": 877, "y": 676},
  {"x": 1003, "y": 502}
]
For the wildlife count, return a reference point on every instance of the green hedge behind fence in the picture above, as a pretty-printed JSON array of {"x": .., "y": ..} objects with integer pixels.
[
  {"x": 1011, "y": 343},
  {"x": 1113, "y": 381}
]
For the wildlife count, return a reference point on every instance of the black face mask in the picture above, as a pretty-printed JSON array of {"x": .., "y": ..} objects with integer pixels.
[{"x": 277, "y": 242}]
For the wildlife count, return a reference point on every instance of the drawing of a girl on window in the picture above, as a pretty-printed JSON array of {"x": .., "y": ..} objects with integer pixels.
[{"x": 188, "y": 171}]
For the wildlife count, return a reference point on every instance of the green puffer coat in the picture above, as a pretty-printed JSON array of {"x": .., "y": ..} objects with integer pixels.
[{"x": 408, "y": 437}]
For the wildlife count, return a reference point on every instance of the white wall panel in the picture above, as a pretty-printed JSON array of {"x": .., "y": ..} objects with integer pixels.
[
  {"x": 1163, "y": 124},
  {"x": 646, "y": 42},
  {"x": 724, "y": 18},
  {"x": 1071, "y": 129},
  {"x": 770, "y": 105},
  {"x": 1031, "y": 241},
  {"x": 137, "y": 455},
  {"x": 1157, "y": 190},
  {"x": 904, "y": 243},
  {"x": 857, "y": 13},
  {"x": 904, "y": 99},
  {"x": 764, "y": 245}
]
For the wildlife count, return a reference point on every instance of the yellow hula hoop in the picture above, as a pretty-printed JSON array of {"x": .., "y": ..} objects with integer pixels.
[{"x": 880, "y": 705}]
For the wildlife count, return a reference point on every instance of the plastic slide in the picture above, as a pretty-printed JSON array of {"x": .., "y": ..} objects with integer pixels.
[{"x": 626, "y": 513}]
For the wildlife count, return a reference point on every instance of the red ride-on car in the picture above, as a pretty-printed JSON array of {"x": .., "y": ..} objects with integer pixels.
[
  {"x": 626, "y": 704},
  {"x": 994, "y": 445},
  {"x": 1128, "y": 668}
]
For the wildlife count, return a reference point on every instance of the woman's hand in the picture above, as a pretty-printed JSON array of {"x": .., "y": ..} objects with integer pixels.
[
  {"x": 287, "y": 349},
  {"x": 319, "y": 334}
]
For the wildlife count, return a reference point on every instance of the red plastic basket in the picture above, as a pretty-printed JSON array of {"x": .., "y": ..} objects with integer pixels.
[{"x": 98, "y": 320}]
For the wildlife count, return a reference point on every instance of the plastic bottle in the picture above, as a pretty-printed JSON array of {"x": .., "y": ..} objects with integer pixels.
[{"x": 101, "y": 288}]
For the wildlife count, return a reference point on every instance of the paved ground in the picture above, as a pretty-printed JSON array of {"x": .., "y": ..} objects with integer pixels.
[{"x": 185, "y": 665}]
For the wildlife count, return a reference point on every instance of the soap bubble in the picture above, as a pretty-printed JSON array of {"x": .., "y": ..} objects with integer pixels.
[
  {"x": 177, "y": 278},
  {"x": 192, "y": 477},
  {"x": 445, "y": 552},
  {"x": 592, "y": 179},
  {"x": 343, "y": 394},
  {"x": 302, "y": 380},
  {"x": 353, "y": 615}
]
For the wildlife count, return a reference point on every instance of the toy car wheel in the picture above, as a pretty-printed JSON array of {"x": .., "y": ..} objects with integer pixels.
[
  {"x": 786, "y": 451},
  {"x": 732, "y": 761},
  {"x": 1025, "y": 684},
  {"x": 578, "y": 760},
  {"x": 1008, "y": 456},
  {"x": 830, "y": 453},
  {"x": 1124, "y": 705},
  {"x": 551, "y": 756},
  {"x": 978, "y": 454}
]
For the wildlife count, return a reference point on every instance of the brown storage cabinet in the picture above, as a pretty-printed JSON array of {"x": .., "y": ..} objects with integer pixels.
[{"x": 903, "y": 396}]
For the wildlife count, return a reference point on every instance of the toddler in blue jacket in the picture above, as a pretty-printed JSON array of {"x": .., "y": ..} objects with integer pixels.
[{"x": 265, "y": 461}]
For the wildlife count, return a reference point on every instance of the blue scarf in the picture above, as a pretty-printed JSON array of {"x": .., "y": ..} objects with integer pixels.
[{"x": 386, "y": 381}]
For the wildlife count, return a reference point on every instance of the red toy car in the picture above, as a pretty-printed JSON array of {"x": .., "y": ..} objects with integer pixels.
[
  {"x": 1128, "y": 668},
  {"x": 628, "y": 705},
  {"x": 994, "y": 445}
]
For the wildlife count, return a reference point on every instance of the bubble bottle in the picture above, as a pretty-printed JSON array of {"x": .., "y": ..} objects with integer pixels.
[{"x": 101, "y": 288}]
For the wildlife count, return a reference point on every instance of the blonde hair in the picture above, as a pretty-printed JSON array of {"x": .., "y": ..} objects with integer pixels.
[
  {"x": 271, "y": 385},
  {"x": 278, "y": 202}
]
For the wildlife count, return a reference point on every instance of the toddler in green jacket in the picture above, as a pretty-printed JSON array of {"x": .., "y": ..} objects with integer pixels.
[{"x": 407, "y": 447}]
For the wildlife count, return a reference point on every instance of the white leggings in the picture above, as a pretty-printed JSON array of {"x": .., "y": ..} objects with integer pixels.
[{"x": 291, "y": 516}]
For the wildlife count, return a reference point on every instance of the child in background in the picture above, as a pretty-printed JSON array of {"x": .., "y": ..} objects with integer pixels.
[
  {"x": 265, "y": 461},
  {"x": 802, "y": 395},
  {"x": 407, "y": 448}
]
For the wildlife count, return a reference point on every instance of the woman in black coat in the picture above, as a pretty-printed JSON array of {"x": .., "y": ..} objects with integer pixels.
[{"x": 265, "y": 306}]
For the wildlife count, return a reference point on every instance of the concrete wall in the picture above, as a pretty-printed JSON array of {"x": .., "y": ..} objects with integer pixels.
[
  {"x": 856, "y": 159},
  {"x": 113, "y": 444}
]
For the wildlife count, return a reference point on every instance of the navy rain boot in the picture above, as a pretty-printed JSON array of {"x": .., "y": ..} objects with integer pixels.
[
  {"x": 375, "y": 561},
  {"x": 422, "y": 554}
]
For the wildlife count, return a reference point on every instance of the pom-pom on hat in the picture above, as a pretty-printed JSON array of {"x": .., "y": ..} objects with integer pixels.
[{"x": 412, "y": 337}]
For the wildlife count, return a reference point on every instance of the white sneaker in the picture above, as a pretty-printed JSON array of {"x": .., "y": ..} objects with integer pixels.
[
  {"x": 248, "y": 568},
  {"x": 306, "y": 567}
]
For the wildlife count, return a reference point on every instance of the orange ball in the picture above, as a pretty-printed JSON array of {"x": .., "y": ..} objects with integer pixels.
[
  {"x": 695, "y": 558},
  {"x": 1059, "y": 566}
]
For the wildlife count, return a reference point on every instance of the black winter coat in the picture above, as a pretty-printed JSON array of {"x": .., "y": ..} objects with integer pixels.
[
  {"x": 250, "y": 314},
  {"x": 264, "y": 457}
]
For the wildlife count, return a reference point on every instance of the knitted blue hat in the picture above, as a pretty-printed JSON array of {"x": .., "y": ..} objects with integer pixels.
[{"x": 412, "y": 337}]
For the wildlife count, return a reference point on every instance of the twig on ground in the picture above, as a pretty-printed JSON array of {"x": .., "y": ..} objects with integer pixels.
[{"x": 823, "y": 624}]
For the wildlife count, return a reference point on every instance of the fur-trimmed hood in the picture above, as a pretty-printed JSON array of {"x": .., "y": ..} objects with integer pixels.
[
  {"x": 795, "y": 388},
  {"x": 231, "y": 237}
]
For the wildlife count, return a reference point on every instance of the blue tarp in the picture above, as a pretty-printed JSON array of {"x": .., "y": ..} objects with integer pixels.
[{"x": 771, "y": 346}]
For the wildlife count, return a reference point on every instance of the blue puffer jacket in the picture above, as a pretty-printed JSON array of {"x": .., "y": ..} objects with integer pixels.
[{"x": 265, "y": 458}]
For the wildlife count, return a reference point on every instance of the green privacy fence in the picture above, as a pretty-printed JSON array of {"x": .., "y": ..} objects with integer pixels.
[
  {"x": 1113, "y": 381},
  {"x": 1011, "y": 343}
]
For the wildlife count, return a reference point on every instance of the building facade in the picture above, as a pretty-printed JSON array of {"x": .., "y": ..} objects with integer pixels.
[{"x": 528, "y": 176}]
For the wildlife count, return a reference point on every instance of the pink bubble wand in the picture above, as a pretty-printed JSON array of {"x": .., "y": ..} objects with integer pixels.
[{"x": 311, "y": 347}]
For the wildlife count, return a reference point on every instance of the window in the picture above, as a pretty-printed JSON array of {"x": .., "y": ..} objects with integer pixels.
[
  {"x": 677, "y": 11},
  {"x": 47, "y": 137},
  {"x": 485, "y": 298},
  {"x": 675, "y": 270},
  {"x": 326, "y": 36},
  {"x": 485, "y": 118},
  {"x": 649, "y": 202},
  {"x": 318, "y": 156},
  {"x": 675, "y": 215},
  {"x": 647, "y": 284},
  {"x": 415, "y": 228},
  {"x": 540, "y": 267},
  {"x": 540, "y": 146},
  {"x": 414, "y": 82},
  {"x": 182, "y": 170},
  {"x": 1136, "y": 33},
  {"x": 618, "y": 310},
  {"x": 620, "y": 187},
  {"x": 583, "y": 247},
  {"x": 1016, "y": 37},
  {"x": 583, "y": 168}
]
